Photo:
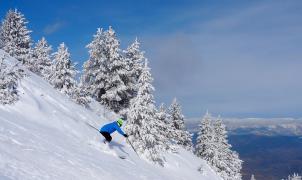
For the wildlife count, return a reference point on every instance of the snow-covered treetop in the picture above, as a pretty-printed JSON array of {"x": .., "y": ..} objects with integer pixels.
[
  {"x": 41, "y": 58},
  {"x": 135, "y": 57},
  {"x": 145, "y": 80},
  {"x": 162, "y": 113},
  {"x": 63, "y": 71},
  {"x": 176, "y": 115},
  {"x": 105, "y": 72},
  {"x": 253, "y": 177},
  {"x": 62, "y": 54},
  {"x": 14, "y": 35},
  {"x": 10, "y": 73}
]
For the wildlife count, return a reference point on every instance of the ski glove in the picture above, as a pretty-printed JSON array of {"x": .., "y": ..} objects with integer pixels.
[{"x": 125, "y": 135}]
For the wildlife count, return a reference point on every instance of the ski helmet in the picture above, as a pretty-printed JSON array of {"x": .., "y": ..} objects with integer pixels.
[{"x": 120, "y": 122}]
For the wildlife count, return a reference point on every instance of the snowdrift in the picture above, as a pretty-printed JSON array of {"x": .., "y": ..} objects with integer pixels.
[{"x": 44, "y": 136}]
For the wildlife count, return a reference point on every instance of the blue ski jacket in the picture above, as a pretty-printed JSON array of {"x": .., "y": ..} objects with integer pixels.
[{"x": 112, "y": 127}]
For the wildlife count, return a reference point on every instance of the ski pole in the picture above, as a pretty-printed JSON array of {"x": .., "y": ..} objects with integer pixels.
[
  {"x": 132, "y": 146},
  {"x": 92, "y": 126}
]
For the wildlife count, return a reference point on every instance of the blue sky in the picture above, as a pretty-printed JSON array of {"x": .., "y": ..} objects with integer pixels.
[{"x": 234, "y": 58}]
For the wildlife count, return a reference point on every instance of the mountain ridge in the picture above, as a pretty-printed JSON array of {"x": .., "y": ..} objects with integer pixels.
[{"x": 256, "y": 126}]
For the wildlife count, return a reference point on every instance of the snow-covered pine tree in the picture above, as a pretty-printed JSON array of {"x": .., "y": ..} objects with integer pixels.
[
  {"x": 41, "y": 59},
  {"x": 205, "y": 143},
  {"x": 229, "y": 165},
  {"x": 162, "y": 114},
  {"x": 164, "y": 129},
  {"x": 253, "y": 177},
  {"x": 235, "y": 166},
  {"x": 93, "y": 76},
  {"x": 9, "y": 76},
  {"x": 80, "y": 96},
  {"x": 63, "y": 71},
  {"x": 142, "y": 125},
  {"x": 212, "y": 145},
  {"x": 177, "y": 119},
  {"x": 15, "y": 37},
  {"x": 106, "y": 70},
  {"x": 177, "y": 125},
  {"x": 134, "y": 58}
]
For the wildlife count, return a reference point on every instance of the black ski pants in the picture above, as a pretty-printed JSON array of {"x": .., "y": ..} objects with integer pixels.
[{"x": 106, "y": 136}]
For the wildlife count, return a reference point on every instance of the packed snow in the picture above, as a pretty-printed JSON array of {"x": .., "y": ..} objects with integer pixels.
[{"x": 44, "y": 135}]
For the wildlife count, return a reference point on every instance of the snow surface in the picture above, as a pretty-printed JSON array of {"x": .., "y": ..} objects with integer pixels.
[{"x": 44, "y": 136}]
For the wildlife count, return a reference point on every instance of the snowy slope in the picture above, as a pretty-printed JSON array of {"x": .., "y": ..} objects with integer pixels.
[{"x": 44, "y": 136}]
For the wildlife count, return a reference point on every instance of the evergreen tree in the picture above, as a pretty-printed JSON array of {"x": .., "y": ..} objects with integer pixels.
[
  {"x": 93, "y": 69},
  {"x": 105, "y": 71},
  {"x": 80, "y": 96},
  {"x": 212, "y": 145},
  {"x": 162, "y": 114},
  {"x": 205, "y": 142},
  {"x": 234, "y": 166},
  {"x": 177, "y": 124},
  {"x": 134, "y": 58},
  {"x": 63, "y": 71},
  {"x": 176, "y": 115},
  {"x": 9, "y": 76},
  {"x": 230, "y": 164},
  {"x": 15, "y": 37},
  {"x": 164, "y": 128},
  {"x": 142, "y": 125},
  {"x": 41, "y": 60}
]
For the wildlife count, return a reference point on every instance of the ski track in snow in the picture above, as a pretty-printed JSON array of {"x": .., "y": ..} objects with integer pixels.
[{"x": 44, "y": 136}]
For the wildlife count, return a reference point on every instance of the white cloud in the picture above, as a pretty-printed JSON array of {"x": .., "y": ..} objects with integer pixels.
[
  {"x": 54, "y": 27},
  {"x": 244, "y": 62}
]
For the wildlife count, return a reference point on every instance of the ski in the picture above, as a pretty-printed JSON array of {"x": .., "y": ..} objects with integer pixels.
[{"x": 122, "y": 157}]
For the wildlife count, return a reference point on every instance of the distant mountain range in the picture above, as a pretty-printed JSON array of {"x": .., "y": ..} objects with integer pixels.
[
  {"x": 256, "y": 126},
  {"x": 270, "y": 148}
]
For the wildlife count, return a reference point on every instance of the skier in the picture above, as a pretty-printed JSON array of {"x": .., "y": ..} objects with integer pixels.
[{"x": 108, "y": 129}]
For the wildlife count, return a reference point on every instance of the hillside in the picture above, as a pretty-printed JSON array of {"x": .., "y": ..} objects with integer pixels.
[{"x": 44, "y": 136}]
